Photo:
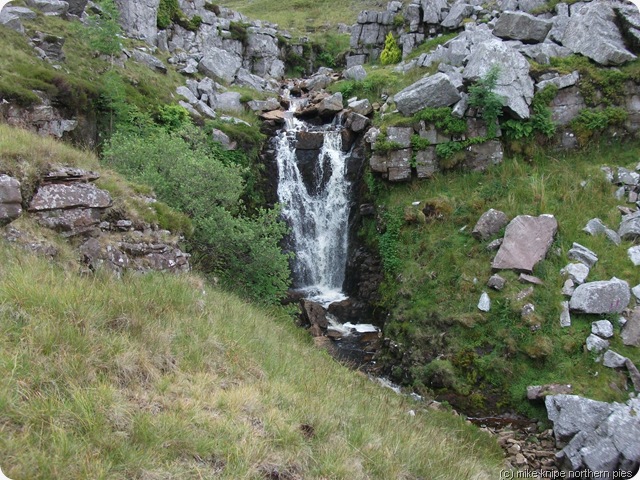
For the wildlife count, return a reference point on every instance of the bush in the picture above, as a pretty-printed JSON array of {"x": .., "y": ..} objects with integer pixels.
[
  {"x": 103, "y": 31},
  {"x": 391, "y": 53},
  {"x": 482, "y": 96},
  {"x": 200, "y": 179},
  {"x": 168, "y": 12},
  {"x": 443, "y": 120}
]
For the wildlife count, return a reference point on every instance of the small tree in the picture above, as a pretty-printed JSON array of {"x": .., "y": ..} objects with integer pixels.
[
  {"x": 103, "y": 30},
  {"x": 391, "y": 53},
  {"x": 482, "y": 96}
]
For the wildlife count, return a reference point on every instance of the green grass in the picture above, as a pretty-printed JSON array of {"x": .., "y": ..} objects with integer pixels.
[
  {"x": 161, "y": 376},
  {"x": 433, "y": 293},
  {"x": 304, "y": 15}
]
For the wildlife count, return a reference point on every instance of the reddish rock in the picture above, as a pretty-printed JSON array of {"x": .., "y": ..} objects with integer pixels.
[{"x": 526, "y": 241}]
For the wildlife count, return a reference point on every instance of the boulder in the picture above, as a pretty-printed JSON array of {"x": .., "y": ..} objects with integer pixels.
[
  {"x": 50, "y": 7},
  {"x": 357, "y": 73},
  {"x": 526, "y": 241},
  {"x": 222, "y": 138},
  {"x": 10, "y": 199},
  {"x": 521, "y": 26},
  {"x": 496, "y": 282},
  {"x": 514, "y": 84},
  {"x": 630, "y": 226},
  {"x": 11, "y": 21},
  {"x": 596, "y": 227},
  {"x": 220, "y": 64},
  {"x": 76, "y": 7},
  {"x": 187, "y": 94},
  {"x": 592, "y": 32},
  {"x": 582, "y": 254},
  {"x": 602, "y": 328},
  {"x": 331, "y": 105},
  {"x": 607, "y": 296},
  {"x": 68, "y": 196},
  {"x": 631, "y": 330},
  {"x": 149, "y": 60},
  {"x": 21, "y": 13},
  {"x": 458, "y": 12},
  {"x": 314, "y": 314},
  {"x": 612, "y": 359},
  {"x": 433, "y": 11},
  {"x": 228, "y": 102},
  {"x": 597, "y": 436},
  {"x": 561, "y": 81},
  {"x": 489, "y": 224},
  {"x": 139, "y": 19},
  {"x": 571, "y": 414},
  {"x": 356, "y": 122},
  {"x": 430, "y": 91},
  {"x": 363, "y": 107},
  {"x": 577, "y": 272}
]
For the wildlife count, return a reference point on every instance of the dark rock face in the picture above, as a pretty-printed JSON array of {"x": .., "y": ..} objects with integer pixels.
[{"x": 526, "y": 241}]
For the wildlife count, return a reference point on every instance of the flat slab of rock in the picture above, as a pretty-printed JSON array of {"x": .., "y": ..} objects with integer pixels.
[
  {"x": 607, "y": 296},
  {"x": 526, "y": 241},
  {"x": 66, "y": 196},
  {"x": 431, "y": 91},
  {"x": 489, "y": 224}
]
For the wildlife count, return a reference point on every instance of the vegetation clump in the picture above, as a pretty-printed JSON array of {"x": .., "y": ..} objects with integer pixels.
[
  {"x": 483, "y": 97},
  {"x": 391, "y": 53}
]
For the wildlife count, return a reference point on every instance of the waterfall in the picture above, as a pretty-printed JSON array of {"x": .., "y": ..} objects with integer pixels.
[{"x": 315, "y": 203}]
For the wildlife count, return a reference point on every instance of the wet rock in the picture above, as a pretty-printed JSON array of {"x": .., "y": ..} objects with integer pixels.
[
  {"x": 609, "y": 296},
  {"x": 612, "y": 359},
  {"x": 602, "y": 328},
  {"x": 521, "y": 26},
  {"x": 10, "y": 199},
  {"x": 582, "y": 254},
  {"x": 592, "y": 32},
  {"x": 431, "y": 91},
  {"x": 489, "y": 224},
  {"x": 527, "y": 240},
  {"x": 356, "y": 122},
  {"x": 314, "y": 314},
  {"x": 539, "y": 392}
]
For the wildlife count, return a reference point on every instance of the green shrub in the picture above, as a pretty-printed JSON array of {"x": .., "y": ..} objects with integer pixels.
[
  {"x": 103, "y": 31},
  {"x": 174, "y": 117},
  {"x": 591, "y": 122},
  {"x": 443, "y": 119},
  {"x": 194, "y": 175},
  {"x": 239, "y": 31},
  {"x": 540, "y": 122},
  {"x": 389, "y": 241},
  {"x": 398, "y": 20},
  {"x": 383, "y": 145},
  {"x": 391, "y": 53},
  {"x": 482, "y": 97},
  {"x": 168, "y": 12}
]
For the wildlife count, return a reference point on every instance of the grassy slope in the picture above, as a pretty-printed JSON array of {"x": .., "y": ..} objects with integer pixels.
[
  {"x": 440, "y": 260},
  {"x": 161, "y": 377},
  {"x": 303, "y": 15}
]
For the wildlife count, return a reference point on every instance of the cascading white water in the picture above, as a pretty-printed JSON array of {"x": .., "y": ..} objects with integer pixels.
[{"x": 318, "y": 213}]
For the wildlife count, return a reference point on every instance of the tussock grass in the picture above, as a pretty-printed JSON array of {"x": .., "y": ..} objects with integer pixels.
[
  {"x": 443, "y": 270},
  {"x": 161, "y": 376}
]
